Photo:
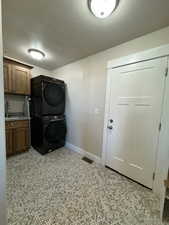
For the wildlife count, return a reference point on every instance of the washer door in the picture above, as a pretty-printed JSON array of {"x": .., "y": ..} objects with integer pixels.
[
  {"x": 54, "y": 94},
  {"x": 55, "y": 131}
]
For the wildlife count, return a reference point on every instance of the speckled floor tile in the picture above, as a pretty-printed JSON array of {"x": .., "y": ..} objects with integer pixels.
[{"x": 61, "y": 189}]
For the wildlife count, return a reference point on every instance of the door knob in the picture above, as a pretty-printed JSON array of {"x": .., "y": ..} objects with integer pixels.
[{"x": 110, "y": 127}]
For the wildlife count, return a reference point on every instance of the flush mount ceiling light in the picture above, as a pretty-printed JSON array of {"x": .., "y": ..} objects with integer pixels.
[
  {"x": 36, "y": 54},
  {"x": 102, "y": 8}
]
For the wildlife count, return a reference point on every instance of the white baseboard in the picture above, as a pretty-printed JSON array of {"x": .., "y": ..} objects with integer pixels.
[
  {"x": 75, "y": 148},
  {"x": 84, "y": 153}
]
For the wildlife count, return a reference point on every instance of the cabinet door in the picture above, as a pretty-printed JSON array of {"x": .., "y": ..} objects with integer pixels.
[
  {"x": 9, "y": 142},
  {"x": 21, "y": 139},
  {"x": 7, "y": 77},
  {"x": 21, "y": 80}
]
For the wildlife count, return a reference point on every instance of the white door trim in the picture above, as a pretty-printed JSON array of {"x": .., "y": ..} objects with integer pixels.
[
  {"x": 3, "y": 209},
  {"x": 153, "y": 53},
  {"x": 158, "y": 52}
]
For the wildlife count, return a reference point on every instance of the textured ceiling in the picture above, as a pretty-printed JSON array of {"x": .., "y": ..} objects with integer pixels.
[{"x": 66, "y": 30}]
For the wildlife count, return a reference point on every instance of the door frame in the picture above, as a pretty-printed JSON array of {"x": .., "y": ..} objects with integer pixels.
[
  {"x": 159, "y": 52},
  {"x": 3, "y": 213}
]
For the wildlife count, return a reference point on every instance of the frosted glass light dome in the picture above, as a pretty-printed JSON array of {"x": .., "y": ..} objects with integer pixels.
[
  {"x": 102, "y": 8},
  {"x": 36, "y": 54}
]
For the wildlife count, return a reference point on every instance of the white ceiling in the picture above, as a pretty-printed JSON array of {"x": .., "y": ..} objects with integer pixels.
[{"x": 66, "y": 30}]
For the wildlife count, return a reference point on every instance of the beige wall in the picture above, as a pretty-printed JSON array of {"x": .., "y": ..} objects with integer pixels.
[
  {"x": 86, "y": 84},
  {"x": 39, "y": 71}
]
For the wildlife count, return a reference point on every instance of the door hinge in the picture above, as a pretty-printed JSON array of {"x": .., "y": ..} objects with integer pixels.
[
  {"x": 154, "y": 176},
  {"x": 166, "y": 72},
  {"x": 159, "y": 128}
]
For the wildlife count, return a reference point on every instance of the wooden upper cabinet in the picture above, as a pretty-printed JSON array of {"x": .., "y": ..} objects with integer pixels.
[
  {"x": 7, "y": 77},
  {"x": 21, "y": 80},
  {"x": 16, "y": 77}
]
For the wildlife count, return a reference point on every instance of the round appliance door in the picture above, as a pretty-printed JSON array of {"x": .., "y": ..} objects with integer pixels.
[
  {"x": 54, "y": 94},
  {"x": 55, "y": 131}
]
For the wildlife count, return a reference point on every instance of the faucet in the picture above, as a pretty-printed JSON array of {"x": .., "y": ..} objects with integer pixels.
[{"x": 26, "y": 106}]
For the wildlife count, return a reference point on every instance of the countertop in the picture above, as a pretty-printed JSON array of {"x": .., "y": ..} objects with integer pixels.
[{"x": 16, "y": 118}]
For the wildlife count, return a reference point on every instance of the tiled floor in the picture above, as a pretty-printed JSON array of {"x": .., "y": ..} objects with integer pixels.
[{"x": 61, "y": 189}]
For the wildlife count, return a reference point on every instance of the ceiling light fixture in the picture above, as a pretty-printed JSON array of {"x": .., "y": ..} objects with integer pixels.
[
  {"x": 36, "y": 54},
  {"x": 102, "y": 8}
]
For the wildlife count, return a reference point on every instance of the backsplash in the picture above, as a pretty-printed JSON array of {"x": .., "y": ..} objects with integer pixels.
[{"x": 16, "y": 105}]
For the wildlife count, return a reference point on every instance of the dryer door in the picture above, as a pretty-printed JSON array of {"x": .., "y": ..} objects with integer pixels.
[{"x": 55, "y": 131}]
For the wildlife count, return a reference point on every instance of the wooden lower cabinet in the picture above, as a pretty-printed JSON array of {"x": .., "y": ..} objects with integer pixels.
[
  {"x": 9, "y": 142},
  {"x": 21, "y": 139},
  {"x": 17, "y": 137}
]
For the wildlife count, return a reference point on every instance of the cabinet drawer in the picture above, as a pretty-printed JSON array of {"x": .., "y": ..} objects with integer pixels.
[{"x": 17, "y": 124}]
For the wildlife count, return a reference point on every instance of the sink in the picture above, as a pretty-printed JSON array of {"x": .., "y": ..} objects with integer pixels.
[{"x": 11, "y": 118}]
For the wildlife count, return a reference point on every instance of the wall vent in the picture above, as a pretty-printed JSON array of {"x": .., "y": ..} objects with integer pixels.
[{"x": 87, "y": 160}]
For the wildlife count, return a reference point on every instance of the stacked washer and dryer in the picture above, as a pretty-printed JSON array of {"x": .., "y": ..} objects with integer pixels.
[{"x": 48, "y": 123}]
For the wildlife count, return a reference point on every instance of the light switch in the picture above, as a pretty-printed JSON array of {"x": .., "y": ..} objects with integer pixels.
[{"x": 97, "y": 111}]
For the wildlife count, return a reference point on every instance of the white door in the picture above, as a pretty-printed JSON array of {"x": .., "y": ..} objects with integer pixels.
[{"x": 135, "y": 103}]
